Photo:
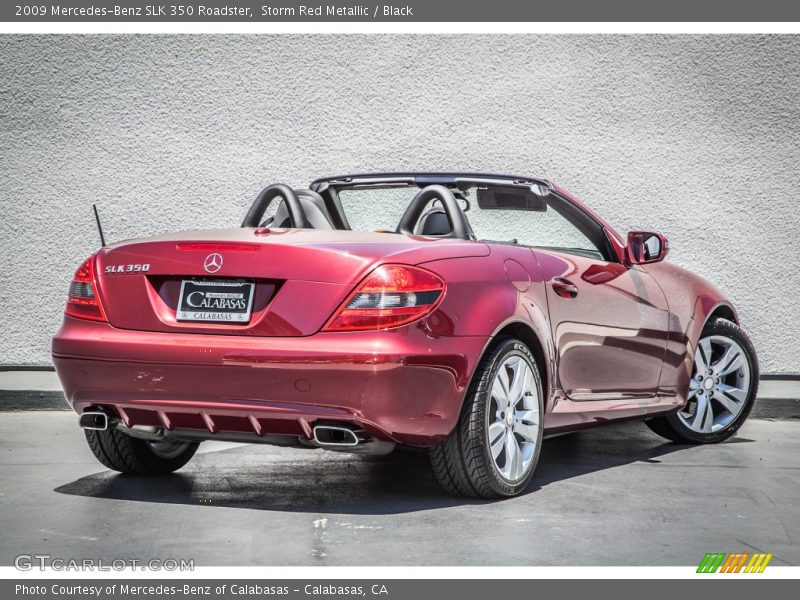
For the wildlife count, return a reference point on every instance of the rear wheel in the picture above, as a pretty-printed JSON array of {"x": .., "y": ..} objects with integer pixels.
[
  {"x": 135, "y": 456},
  {"x": 722, "y": 389},
  {"x": 495, "y": 446}
]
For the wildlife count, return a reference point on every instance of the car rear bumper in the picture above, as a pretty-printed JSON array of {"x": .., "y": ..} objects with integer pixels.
[{"x": 400, "y": 385}]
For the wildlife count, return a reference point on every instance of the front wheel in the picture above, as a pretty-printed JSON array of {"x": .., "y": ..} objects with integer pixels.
[
  {"x": 722, "y": 389},
  {"x": 495, "y": 446},
  {"x": 126, "y": 454}
]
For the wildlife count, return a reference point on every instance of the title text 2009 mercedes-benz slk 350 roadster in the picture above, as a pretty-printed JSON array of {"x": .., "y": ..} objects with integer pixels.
[{"x": 469, "y": 314}]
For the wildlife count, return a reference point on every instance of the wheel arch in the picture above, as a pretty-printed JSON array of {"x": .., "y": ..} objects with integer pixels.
[
  {"x": 525, "y": 333},
  {"x": 723, "y": 310},
  {"x": 706, "y": 308}
]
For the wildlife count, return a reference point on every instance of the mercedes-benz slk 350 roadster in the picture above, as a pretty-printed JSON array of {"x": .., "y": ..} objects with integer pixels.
[{"x": 470, "y": 314}]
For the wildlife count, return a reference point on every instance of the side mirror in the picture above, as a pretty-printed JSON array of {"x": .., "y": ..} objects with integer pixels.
[{"x": 646, "y": 247}]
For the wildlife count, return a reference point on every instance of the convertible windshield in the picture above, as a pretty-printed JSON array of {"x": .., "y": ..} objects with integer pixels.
[
  {"x": 498, "y": 213},
  {"x": 376, "y": 208}
]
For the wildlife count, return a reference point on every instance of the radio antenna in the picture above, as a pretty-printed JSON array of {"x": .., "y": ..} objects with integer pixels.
[{"x": 99, "y": 226}]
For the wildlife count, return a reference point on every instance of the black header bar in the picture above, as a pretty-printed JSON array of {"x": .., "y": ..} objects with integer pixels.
[{"x": 410, "y": 11}]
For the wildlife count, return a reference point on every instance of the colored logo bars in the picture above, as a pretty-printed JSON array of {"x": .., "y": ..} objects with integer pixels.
[{"x": 740, "y": 562}]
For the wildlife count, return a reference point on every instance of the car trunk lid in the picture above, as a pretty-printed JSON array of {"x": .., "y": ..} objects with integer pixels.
[{"x": 279, "y": 282}]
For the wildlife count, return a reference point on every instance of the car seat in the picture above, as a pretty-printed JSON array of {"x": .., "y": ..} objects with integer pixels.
[
  {"x": 435, "y": 223},
  {"x": 313, "y": 206}
]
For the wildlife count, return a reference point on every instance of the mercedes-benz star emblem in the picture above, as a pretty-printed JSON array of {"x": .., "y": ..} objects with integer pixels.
[{"x": 213, "y": 262}]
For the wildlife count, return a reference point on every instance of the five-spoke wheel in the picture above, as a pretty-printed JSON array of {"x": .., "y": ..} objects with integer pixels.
[
  {"x": 719, "y": 385},
  {"x": 494, "y": 449},
  {"x": 722, "y": 389},
  {"x": 513, "y": 418}
]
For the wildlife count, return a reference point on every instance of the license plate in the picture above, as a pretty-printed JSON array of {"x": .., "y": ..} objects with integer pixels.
[{"x": 215, "y": 301}]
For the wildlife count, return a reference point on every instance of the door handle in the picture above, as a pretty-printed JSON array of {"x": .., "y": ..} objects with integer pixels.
[{"x": 564, "y": 288}]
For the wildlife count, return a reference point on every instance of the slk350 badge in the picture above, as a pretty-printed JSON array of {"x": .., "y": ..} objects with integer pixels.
[{"x": 139, "y": 268}]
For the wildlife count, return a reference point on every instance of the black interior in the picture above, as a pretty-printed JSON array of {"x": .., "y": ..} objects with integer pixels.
[
  {"x": 313, "y": 206},
  {"x": 300, "y": 209},
  {"x": 449, "y": 221},
  {"x": 510, "y": 198},
  {"x": 296, "y": 214},
  {"x": 433, "y": 222},
  {"x": 434, "y": 211}
]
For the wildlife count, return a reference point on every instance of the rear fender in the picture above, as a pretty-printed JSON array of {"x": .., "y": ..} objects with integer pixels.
[{"x": 481, "y": 300}]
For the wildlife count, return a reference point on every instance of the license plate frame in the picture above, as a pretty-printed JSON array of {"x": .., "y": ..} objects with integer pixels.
[{"x": 230, "y": 302}]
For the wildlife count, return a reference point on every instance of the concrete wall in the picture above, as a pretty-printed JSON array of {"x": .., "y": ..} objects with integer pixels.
[{"x": 694, "y": 136}]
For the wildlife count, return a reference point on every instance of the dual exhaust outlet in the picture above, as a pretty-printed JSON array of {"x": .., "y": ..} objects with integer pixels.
[
  {"x": 324, "y": 435},
  {"x": 328, "y": 436}
]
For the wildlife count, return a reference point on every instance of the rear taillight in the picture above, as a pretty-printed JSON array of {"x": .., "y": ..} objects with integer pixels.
[
  {"x": 390, "y": 296},
  {"x": 83, "y": 300}
]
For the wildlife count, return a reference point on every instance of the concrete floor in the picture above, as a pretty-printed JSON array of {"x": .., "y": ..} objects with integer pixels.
[{"x": 615, "y": 495}]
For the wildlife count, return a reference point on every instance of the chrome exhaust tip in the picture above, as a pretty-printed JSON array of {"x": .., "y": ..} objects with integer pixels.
[
  {"x": 93, "y": 419},
  {"x": 332, "y": 436}
]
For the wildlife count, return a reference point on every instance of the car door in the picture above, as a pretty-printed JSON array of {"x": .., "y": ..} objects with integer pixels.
[
  {"x": 609, "y": 325},
  {"x": 609, "y": 321}
]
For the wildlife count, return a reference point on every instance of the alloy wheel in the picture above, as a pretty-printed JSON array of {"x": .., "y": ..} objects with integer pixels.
[
  {"x": 719, "y": 386},
  {"x": 513, "y": 415}
]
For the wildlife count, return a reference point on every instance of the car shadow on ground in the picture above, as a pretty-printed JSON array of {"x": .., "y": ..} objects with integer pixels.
[{"x": 329, "y": 482}]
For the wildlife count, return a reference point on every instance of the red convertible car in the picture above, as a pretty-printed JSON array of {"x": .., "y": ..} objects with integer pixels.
[{"x": 470, "y": 314}]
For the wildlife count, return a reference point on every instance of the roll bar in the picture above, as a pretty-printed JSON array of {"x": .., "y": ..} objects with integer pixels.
[
  {"x": 458, "y": 221},
  {"x": 277, "y": 190}
]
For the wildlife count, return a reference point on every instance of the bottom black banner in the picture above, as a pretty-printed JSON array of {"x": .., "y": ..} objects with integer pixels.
[{"x": 396, "y": 589}]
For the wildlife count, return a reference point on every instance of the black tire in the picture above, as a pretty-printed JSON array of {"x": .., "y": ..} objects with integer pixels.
[
  {"x": 673, "y": 428},
  {"x": 121, "y": 452},
  {"x": 462, "y": 463}
]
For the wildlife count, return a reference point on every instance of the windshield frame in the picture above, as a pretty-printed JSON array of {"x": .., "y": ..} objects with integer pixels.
[{"x": 581, "y": 216}]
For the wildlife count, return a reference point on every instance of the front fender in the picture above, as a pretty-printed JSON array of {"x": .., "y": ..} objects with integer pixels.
[{"x": 692, "y": 301}]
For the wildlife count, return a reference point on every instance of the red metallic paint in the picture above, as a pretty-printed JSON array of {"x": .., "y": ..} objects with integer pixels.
[
  {"x": 403, "y": 384},
  {"x": 619, "y": 347}
]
